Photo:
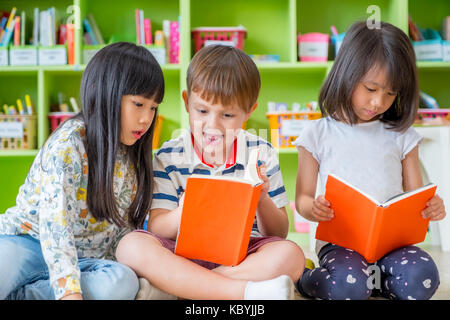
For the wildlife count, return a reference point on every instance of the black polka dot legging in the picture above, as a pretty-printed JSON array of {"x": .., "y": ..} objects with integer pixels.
[{"x": 406, "y": 273}]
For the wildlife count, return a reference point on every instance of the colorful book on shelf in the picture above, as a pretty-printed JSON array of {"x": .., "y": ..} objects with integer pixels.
[
  {"x": 138, "y": 27},
  {"x": 3, "y": 22},
  {"x": 446, "y": 28},
  {"x": 8, "y": 34},
  {"x": 22, "y": 28},
  {"x": 148, "y": 31},
  {"x": 9, "y": 28},
  {"x": 98, "y": 35},
  {"x": 90, "y": 31},
  {"x": 70, "y": 43},
  {"x": 36, "y": 27},
  {"x": 17, "y": 32},
  {"x": 62, "y": 35},
  {"x": 174, "y": 42},
  {"x": 371, "y": 228},
  {"x": 414, "y": 32},
  {"x": 141, "y": 28},
  {"x": 218, "y": 214}
]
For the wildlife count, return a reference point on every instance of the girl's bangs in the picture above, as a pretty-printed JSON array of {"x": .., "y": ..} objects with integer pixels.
[{"x": 149, "y": 84}]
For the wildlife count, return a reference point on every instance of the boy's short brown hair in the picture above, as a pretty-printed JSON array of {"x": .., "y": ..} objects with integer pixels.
[{"x": 225, "y": 75}]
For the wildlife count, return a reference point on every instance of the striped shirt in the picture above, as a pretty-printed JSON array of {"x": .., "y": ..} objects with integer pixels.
[{"x": 177, "y": 160}]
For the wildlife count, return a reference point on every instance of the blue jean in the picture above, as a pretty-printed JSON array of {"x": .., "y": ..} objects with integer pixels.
[
  {"x": 405, "y": 273},
  {"x": 24, "y": 274}
]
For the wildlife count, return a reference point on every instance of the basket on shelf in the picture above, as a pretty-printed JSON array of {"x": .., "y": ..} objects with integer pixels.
[
  {"x": 285, "y": 126},
  {"x": 18, "y": 132},
  {"x": 233, "y": 36},
  {"x": 56, "y": 118}
]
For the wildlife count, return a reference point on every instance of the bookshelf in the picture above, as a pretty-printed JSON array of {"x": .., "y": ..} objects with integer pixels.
[{"x": 272, "y": 27}]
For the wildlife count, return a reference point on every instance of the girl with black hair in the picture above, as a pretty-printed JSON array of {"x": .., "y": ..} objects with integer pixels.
[
  {"x": 89, "y": 185},
  {"x": 369, "y": 100}
]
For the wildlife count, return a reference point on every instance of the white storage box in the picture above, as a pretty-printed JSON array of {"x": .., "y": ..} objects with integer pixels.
[
  {"x": 54, "y": 55},
  {"x": 23, "y": 56}
]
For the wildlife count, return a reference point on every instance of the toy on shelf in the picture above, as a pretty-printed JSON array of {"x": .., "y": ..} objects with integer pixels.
[
  {"x": 18, "y": 126},
  {"x": 61, "y": 111},
  {"x": 286, "y": 125},
  {"x": 336, "y": 39},
  {"x": 313, "y": 47},
  {"x": 263, "y": 58},
  {"x": 232, "y": 36},
  {"x": 433, "y": 117},
  {"x": 429, "y": 44}
]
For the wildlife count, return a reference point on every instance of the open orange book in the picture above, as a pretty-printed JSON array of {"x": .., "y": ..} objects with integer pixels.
[
  {"x": 218, "y": 214},
  {"x": 370, "y": 228}
]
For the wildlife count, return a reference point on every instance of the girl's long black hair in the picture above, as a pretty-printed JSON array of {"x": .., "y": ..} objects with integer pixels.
[{"x": 116, "y": 70}]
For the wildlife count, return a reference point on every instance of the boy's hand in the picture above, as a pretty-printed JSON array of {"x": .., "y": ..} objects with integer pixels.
[
  {"x": 265, "y": 179},
  {"x": 321, "y": 210},
  {"x": 435, "y": 209},
  {"x": 180, "y": 208}
]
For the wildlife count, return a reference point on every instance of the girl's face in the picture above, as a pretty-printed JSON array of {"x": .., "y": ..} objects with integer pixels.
[
  {"x": 372, "y": 95},
  {"x": 138, "y": 113}
]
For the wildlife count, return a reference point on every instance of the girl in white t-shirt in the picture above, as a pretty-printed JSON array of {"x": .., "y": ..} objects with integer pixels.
[{"x": 369, "y": 102}]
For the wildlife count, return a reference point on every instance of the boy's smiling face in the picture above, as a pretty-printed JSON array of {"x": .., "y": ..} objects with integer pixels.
[{"x": 214, "y": 126}]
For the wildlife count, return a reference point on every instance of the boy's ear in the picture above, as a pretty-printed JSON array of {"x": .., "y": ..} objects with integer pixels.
[
  {"x": 253, "y": 108},
  {"x": 185, "y": 99}
]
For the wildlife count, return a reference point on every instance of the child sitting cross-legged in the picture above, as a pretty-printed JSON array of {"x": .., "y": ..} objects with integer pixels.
[{"x": 223, "y": 84}]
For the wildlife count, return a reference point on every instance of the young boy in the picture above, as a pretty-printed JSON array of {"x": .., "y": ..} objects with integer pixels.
[{"x": 223, "y": 84}]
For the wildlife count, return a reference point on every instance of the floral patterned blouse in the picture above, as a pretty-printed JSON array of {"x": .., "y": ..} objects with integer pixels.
[{"x": 51, "y": 206}]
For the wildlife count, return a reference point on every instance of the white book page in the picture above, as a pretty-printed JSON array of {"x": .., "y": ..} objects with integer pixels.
[
  {"x": 406, "y": 195},
  {"x": 251, "y": 175}
]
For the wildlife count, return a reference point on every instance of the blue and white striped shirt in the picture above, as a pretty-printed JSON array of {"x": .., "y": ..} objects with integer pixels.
[{"x": 177, "y": 160}]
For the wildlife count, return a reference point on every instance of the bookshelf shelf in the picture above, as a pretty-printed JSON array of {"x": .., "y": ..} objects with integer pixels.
[
  {"x": 18, "y": 153},
  {"x": 272, "y": 27}
]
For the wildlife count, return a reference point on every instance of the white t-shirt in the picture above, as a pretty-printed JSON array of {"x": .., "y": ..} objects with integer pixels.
[{"x": 366, "y": 155}]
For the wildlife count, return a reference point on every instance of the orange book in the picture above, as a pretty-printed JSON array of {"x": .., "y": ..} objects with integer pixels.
[
  {"x": 218, "y": 214},
  {"x": 370, "y": 228},
  {"x": 70, "y": 36}
]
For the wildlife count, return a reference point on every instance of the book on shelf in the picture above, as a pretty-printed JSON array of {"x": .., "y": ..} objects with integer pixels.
[
  {"x": 218, "y": 215},
  {"x": 446, "y": 28},
  {"x": 89, "y": 32},
  {"x": 95, "y": 29},
  {"x": 371, "y": 228}
]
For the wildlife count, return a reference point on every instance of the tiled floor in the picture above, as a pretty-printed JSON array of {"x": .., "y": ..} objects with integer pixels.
[{"x": 442, "y": 260}]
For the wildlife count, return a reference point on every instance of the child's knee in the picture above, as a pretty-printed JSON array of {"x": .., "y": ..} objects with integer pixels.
[
  {"x": 128, "y": 249},
  {"x": 340, "y": 284},
  {"x": 413, "y": 275},
  {"x": 115, "y": 282},
  {"x": 292, "y": 255}
]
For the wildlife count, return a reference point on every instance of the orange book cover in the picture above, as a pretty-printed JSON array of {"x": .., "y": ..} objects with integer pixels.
[
  {"x": 370, "y": 228},
  {"x": 218, "y": 214}
]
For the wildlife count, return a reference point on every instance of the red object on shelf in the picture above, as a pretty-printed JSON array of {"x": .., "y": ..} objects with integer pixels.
[
  {"x": 227, "y": 35},
  {"x": 56, "y": 118}
]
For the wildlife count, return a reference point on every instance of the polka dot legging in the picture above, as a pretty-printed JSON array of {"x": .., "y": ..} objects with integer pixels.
[{"x": 406, "y": 273}]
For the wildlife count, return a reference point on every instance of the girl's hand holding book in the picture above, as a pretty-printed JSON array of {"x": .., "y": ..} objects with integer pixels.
[
  {"x": 321, "y": 210},
  {"x": 435, "y": 209}
]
